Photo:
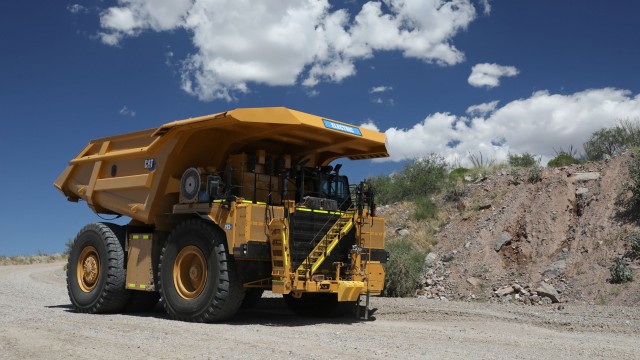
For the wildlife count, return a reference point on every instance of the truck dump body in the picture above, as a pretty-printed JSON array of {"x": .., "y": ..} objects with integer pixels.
[
  {"x": 138, "y": 174},
  {"x": 223, "y": 207}
]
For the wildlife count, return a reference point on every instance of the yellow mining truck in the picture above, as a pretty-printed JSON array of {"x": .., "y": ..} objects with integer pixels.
[{"x": 223, "y": 207}]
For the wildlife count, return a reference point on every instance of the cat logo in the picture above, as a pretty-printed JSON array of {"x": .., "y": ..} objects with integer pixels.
[{"x": 150, "y": 164}]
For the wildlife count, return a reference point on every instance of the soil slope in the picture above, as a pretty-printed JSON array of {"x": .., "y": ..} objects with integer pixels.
[{"x": 509, "y": 240}]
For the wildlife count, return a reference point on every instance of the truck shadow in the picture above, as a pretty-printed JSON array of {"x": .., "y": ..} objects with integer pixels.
[
  {"x": 268, "y": 312},
  {"x": 275, "y": 312}
]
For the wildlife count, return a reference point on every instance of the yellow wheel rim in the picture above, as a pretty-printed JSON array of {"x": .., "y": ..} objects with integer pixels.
[
  {"x": 190, "y": 272},
  {"x": 88, "y": 269}
]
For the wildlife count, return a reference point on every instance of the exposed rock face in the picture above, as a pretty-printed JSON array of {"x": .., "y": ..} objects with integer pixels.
[
  {"x": 562, "y": 232},
  {"x": 586, "y": 176},
  {"x": 505, "y": 239}
]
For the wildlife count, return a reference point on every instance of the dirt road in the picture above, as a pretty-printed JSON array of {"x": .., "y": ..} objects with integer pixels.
[{"x": 36, "y": 322}]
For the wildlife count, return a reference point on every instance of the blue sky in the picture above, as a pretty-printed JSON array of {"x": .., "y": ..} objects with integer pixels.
[{"x": 547, "y": 74}]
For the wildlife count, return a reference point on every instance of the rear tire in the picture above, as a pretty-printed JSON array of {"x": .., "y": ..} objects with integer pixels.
[
  {"x": 95, "y": 270},
  {"x": 318, "y": 305},
  {"x": 198, "y": 280}
]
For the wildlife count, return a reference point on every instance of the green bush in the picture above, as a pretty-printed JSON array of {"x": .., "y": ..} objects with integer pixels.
[
  {"x": 633, "y": 185},
  {"x": 611, "y": 141},
  {"x": 425, "y": 209},
  {"x": 562, "y": 159},
  {"x": 634, "y": 242},
  {"x": 480, "y": 162},
  {"x": 534, "y": 174},
  {"x": 419, "y": 178},
  {"x": 621, "y": 272},
  {"x": 525, "y": 160},
  {"x": 404, "y": 270},
  {"x": 458, "y": 174},
  {"x": 607, "y": 141},
  {"x": 516, "y": 177}
]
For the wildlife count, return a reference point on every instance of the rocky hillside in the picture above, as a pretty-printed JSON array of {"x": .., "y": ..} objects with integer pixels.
[{"x": 507, "y": 240}]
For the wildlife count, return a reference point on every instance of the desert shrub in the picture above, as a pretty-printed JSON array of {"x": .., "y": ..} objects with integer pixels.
[
  {"x": 562, "y": 159},
  {"x": 525, "y": 160},
  {"x": 620, "y": 272},
  {"x": 458, "y": 174},
  {"x": 419, "y": 178},
  {"x": 480, "y": 161},
  {"x": 516, "y": 177},
  {"x": 611, "y": 141},
  {"x": 425, "y": 209},
  {"x": 404, "y": 270},
  {"x": 607, "y": 141},
  {"x": 634, "y": 244},
  {"x": 455, "y": 191},
  {"x": 534, "y": 174},
  {"x": 633, "y": 185}
]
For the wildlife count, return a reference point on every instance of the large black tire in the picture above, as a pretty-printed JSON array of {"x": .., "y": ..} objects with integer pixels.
[
  {"x": 96, "y": 269},
  {"x": 198, "y": 280},
  {"x": 251, "y": 298},
  {"x": 142, "y": 301},
  {"x": 318, "y": 305}
]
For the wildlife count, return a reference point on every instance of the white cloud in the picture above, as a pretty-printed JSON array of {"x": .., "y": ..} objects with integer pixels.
[
  {"x": 287, "y": 42},
  {"x": 313, "y": 93},
  {"x": 369, "y": 124},
  {"x": 489, "y": 74},
  {"x": 536, "y": 125},
  {"x": 486, "y": 6},
  {"x": 483, "y": 109},
  {"x": 168, "y": 56},
  {"x": 77, "y": 9},
  {"x": 125, "y": 111},
  {"x": 379, "y": 89}
]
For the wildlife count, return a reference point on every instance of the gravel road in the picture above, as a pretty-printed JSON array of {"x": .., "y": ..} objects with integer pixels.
[{"x": 36, "y": 322}]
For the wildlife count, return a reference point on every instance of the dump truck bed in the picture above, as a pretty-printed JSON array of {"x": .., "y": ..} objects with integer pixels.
[{"x": 138, "y": 174}]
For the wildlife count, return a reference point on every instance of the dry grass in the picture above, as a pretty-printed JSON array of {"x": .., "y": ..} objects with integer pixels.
[{"x": 34, "y": 259}]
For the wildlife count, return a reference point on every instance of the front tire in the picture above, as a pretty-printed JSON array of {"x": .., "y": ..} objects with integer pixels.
[
  {"x": 198, "y": 281},
  {"x": 95, "y": 271}
]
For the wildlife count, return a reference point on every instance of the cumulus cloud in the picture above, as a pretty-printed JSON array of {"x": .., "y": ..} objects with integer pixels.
[
  {"x": 369, "y": 124},
  {"x": 287, "y": 42},
  {"x": 125, "y": 111},
  {"x": 537, "y": 125},
  {"x": 379, "y": 89},
  {"x": 489, "y": 75},
  {"x": 482, "y": 109},
  {"x": 77, "y": 9}
]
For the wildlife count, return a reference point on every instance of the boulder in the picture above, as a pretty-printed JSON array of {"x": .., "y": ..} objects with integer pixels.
[
  {"x": 430, "y": 259},
  {"x": 586, "y": 176},
  {"x": 548, "y": 291},
  {"x": 475, "y": 282},
  {"x": 582, "y": 191},
  {"x": 504, "y": 291},
  {"x": 484, "y": 205},
  {"x": 505, "y": 239},
  {"x": 447, "y": 257}
]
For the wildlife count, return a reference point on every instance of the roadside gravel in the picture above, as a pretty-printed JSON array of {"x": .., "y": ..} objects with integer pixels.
[{"x": 36, "y": 321}]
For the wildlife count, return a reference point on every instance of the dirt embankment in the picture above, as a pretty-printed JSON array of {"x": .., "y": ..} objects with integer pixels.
[
  {"x": 518, "y": 239},
  {"x": 38, "y": 323}
]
